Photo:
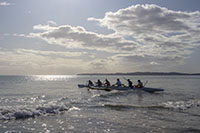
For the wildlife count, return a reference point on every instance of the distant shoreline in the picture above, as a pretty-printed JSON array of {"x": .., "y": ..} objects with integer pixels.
[{"x": 144, "y": 73}]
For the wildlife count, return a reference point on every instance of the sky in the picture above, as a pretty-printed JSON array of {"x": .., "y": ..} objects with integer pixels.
[{"x": 99, "y": 36}]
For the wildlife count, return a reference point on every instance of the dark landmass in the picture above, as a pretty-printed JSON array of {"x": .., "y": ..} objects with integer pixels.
[{"x": 142, "y": 73}]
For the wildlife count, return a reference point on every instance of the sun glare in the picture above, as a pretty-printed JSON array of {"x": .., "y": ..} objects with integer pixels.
[{"x": 52, "y": 77}]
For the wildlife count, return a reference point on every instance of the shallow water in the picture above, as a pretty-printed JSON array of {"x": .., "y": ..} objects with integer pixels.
[{"x": 56, "y": 104}]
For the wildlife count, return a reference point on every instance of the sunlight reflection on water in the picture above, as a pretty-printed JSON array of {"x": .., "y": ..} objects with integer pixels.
[{"x": 53, "y": 77}]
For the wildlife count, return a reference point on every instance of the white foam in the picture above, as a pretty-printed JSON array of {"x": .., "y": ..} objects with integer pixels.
[
  {"x": 8, "y": 112},
  {"x": 74, "y": 108},
  {"x": 22, "y": 112},
  {"x": 182, "y": 105}
]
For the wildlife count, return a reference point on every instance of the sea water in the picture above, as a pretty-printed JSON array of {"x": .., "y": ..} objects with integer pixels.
[{"x": 46, "y": 104}]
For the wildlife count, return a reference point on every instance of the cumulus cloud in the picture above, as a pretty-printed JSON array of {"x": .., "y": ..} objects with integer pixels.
[
  {"x": 162, "y": 34},
  {"x": 142, "y": 35},
  {"x": 152, "y": 23},
  {"x": 78, "y": 37},
  {"x": 142, "y": 19}
]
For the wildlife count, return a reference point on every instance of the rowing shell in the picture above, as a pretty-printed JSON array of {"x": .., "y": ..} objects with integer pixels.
[
  {"x": 121, "y": 88},
  {"x": 100, "y": 88}
]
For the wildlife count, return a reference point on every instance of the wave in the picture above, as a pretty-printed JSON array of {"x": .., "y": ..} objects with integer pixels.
[
  {"x": 120, "y": 93},
  {"x": 176, "y": 105},
  {"x": 124, "y": 107},
  {"x": 23, "y": 112},
  {"x": 43, "y": 108}
]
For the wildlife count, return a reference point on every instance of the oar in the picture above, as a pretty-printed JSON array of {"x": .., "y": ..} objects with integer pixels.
[
  {"x": 125, "y": 78},
  {"x": 145, "y": 83}
]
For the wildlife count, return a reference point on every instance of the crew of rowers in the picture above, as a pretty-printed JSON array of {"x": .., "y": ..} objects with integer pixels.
[{"x": 118, "y": 83}]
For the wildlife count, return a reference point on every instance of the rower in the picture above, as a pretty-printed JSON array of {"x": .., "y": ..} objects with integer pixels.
[
  {"x": 90, "y": 83},
  {"x": 118, "y": 83},
  {"x": 107, "y": 83},
  {"x": 99, "y": 83},
  {"x": 130, "y": 84},
  {"x": 140, "y": 84}
]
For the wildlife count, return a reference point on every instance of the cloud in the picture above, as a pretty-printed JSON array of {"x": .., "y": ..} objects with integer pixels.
[
  {"x": 153, "y": 24},
  {"x": 78, "y": 37},
  {"x": 143, "y": 35},
  {"x": 161, "y": 33},
  {"x": 130, "y": 63},
  {"x": 53, "y": 54},
  {"x": 19, "y": 35},
  {"x": 144, "y": 19},
  {"x": 4, "y": 3},
  {"x": 154, "y": 63},
  {"x": 51, "y": 22},
  {"x": 143, "y": 58},
  {"x": 98, "y": 64},
  {"x": 145, "y": 26},
  {"x": 28, "y": 61}
]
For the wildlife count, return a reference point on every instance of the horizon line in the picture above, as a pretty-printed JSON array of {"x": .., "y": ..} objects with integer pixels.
[{"x": 114, "y": 73}]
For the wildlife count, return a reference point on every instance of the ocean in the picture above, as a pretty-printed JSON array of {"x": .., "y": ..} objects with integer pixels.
[{"x": 55, "y": 104}]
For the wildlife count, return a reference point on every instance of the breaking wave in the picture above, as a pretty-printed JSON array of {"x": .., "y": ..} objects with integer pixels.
[{"x": 23, "y": 112}]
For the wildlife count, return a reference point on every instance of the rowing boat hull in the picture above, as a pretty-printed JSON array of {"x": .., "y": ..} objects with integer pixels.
[
  {"x": 121, "y": 88},
  {"x": 100, "y": 88},
  {"x": 148, "y": 89}
]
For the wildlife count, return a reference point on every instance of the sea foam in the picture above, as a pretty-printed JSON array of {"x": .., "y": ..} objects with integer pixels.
[
  {"x": 23, "y": 112},
  {"x": 181, "y": 105}
]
